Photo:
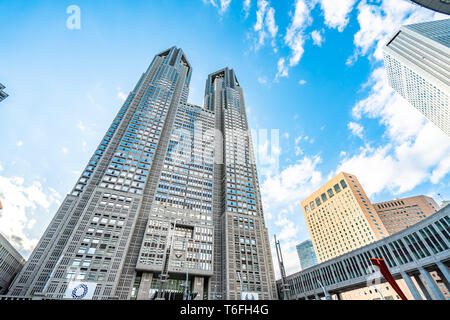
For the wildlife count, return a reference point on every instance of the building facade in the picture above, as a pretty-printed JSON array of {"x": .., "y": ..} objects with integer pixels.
[
  {"x": 10, "y": 263},
  {"x": 442, "y": 6},
  {"x": 170, "y": 194},
  {"x": 417, "y": 63},
  {"x": 341, "y": 218},
  {"x": 399, "y": 214},
  {"x": 3, "y": 94},
  {"x": 306, "y": 254},
  {"x": 411, "y": 255}
]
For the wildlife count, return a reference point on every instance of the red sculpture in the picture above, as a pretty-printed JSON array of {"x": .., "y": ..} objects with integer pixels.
[{"x": 388, "y": 276}]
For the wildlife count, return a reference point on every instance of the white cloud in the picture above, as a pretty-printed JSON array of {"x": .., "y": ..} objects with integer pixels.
[
  {"x": 84, "y": 144},
  {"x": 400, "y": 167},
  {"x": 19, "y": 143},
  {"x": 289, "y": 185},
  {"x": 302, "y": 82},
  {"x": 224, "y": 4},
  {"x": 65, "y": 150},
  {"x": 20, "y": 202},
  {"x": 282, "y": 194},
  {"x": 262, "y": 80},
  {"x": 336, "y": 12},
  {"x": 265, "y": 26},
  {"x": 246, "y": 6},
  {"x": 295, "y": 36},
  {"x": 317, "y": 37},
  {"x": 121, "y": 95},
  {"x": 282, "y": 68},
  {"x": 356, "y": 129},
  {"x": 378, "y": 22}
]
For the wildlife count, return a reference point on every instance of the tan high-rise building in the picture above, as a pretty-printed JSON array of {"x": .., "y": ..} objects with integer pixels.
[
  {"x": 341, "y": 218},
  {"x": 399, "y": 214}
]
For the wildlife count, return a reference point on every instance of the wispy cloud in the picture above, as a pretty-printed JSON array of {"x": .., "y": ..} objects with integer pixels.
[
  {"x": 356, "y": 129},
  {"x": 336, "y": 12},
  {"x": 295, "y": 37},
  {"x": 20, "y": 201},
  {"x": 317, "y": 37},
  {"x": 222, "y": 6},
  {"x": 265, "y": 26}
]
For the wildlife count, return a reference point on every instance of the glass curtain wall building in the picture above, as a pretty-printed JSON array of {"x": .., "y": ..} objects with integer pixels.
[
  {"x": 153, "y": 206},
  {"x": 306, "y": 254},
  {"x": 417, "y": 63}
]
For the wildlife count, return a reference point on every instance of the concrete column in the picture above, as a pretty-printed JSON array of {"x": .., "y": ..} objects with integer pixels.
[
  {"x": 198, "y": 287},
  {"x": 144, "y": 287},
  {"x": 432, "y": 284},
  {"x": 411, "y": 286},
  {"x": 316, "y": 296},
  {"x": 422, "y": 287},
  {"x": 445, "y": 273}
]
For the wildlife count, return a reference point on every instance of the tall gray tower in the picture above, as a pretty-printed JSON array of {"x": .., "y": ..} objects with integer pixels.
[
  {"x": 151, "y": 210},
  {"x": 246, "y": 262}
]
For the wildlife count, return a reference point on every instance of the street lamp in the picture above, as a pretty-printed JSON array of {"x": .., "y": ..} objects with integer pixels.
[
  {"x": 327, "y": 296},
  {"x": 185, "y": 285}
]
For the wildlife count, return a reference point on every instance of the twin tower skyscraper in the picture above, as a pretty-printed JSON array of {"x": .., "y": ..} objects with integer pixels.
[{"x": 170, "y": 194}]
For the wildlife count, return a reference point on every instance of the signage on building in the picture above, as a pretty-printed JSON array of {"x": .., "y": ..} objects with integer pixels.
[
  {"x": 249, "y": 295},
  {"x": 80, "y": 290}
]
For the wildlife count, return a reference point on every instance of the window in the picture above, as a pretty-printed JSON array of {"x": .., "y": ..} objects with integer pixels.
[
  {"x": 337, "y": 189},
  {"x": 343, "y": 184},
  {"x": 324, "y": 197},
  {"x": 306, "y": 209},
  {"x": 318, "y": 201},
  {"x": 330, "y": 193}
]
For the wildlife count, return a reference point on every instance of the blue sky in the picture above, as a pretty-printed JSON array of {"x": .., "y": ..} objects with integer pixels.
[{"x": 310, "y": 69}]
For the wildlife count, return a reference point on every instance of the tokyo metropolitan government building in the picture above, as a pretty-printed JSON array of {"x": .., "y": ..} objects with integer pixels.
[{"x": 171, "y": 193}]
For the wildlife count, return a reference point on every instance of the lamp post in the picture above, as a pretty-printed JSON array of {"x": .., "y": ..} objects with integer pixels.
[
  {"x": 185, "y": 285},
  {"x": 240, "y": 283},
  {"x": 327, "y": 296}
]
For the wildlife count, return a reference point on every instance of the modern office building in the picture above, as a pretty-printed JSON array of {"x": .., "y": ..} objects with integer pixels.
[
  {"x": 170, "y": 193},
  {"x": 10, "y": 263},
  {"x": 3, "y": 94},
  {"x": 399, "y": 214},
  {"x": 417, "y": 63},
  {"x": 442, "y": 6},
  {"x": 341, "y": 218},
  {"x": 306, "y": 254}
]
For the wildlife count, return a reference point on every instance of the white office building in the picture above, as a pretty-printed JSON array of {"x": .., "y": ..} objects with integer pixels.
[{"x": 417, "y": 62}]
